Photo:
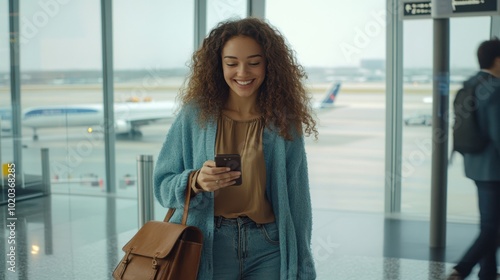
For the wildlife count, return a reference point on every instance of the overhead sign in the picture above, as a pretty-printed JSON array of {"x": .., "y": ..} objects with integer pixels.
[
  {"x": 465, "y": 8},
  {"x": 416, "y": 10},
  {"x": 449, "y": 8}
]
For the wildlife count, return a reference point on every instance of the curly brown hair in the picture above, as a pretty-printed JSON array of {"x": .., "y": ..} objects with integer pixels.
[{"x": 282, "y": 99}]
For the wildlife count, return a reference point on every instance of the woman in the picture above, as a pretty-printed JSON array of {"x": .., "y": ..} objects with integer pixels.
[{"x": 244, "y": 96}]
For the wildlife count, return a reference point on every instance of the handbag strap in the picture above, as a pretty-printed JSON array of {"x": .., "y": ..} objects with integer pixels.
[{"x": 171, "y": 211}]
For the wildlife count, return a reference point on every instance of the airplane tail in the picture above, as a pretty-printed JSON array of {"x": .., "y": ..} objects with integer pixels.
[{"x": 330, "y": 96}]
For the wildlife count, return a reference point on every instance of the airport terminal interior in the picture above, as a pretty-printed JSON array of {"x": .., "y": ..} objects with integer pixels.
[{"x": 384, "y": 206}]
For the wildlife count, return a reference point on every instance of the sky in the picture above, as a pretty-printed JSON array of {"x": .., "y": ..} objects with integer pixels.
[{"x": 66, "y": 34}]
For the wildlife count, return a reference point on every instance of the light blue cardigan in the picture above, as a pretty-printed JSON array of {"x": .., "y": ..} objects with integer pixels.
[{"x": 187, "y": 146}]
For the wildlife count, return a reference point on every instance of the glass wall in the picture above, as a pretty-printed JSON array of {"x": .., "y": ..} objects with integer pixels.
[
  {"x": 342, "y": 43},
  {"x": 417, "y": 117},
  {"x": 153, "y": 43},
  {"x": 60, "y": 47},
  {"x": 220, "y": 10},
  {"x": 61, "y": 80},
  {"x": 62, "y": 110},
  {"x": 465, "y": 36},
  {"x": 6, "y": 151},
  {"x": 62, "y": 93}
]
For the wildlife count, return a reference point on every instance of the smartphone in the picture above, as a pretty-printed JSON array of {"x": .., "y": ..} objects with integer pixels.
[{"x": 232, "y": 161}]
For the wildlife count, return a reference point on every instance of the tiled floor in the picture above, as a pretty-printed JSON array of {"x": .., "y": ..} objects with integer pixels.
[{"x": 79, "y": 237}]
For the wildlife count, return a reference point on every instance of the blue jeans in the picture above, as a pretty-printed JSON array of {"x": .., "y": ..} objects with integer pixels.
[
  {"x": 245, "y": 250},
  {"x": 484, "y": 248}
]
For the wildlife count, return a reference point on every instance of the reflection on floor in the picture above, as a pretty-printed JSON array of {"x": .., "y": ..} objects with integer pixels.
[
  {"x": 33, "y": 187},
  {"x": 80, "y": 237}
]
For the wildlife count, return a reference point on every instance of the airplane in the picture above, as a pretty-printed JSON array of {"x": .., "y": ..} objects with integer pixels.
[
  {"x": 6, "y": 121},
  {"x": 129, "y": 116},
  {"x": 329, "y": 99}
]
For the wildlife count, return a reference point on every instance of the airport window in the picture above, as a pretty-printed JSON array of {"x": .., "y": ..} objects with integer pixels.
[
  {"x": 465, "y": 36},
  {"x": 151, "y": 57},
  {"x": 417, "y": 118},
  {"x": 61, "y": 80},
  {"x": 220, "y": 10},
  {"x": 60, "y": 74},
  {"x": 62, "y": 95},
  {"x": 342, "y": 44},
  {"x": 6, "y": 152}
]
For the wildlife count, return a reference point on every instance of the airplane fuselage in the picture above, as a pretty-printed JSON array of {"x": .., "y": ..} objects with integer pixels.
[{"x": 128, "y": 116}]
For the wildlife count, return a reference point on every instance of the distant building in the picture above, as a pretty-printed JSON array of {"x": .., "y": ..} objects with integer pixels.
[{"x": 373, "y": 64}]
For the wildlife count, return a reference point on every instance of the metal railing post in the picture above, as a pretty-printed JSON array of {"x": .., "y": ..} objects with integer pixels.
[
  {"x": 45, "y": 171},
  {"x": 145, "y": 200}
]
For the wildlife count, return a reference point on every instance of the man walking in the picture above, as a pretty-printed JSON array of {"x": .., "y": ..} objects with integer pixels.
[{"x": 484, "y": 167}]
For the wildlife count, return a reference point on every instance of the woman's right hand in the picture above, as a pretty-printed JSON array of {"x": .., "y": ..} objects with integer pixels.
[{"x": 212, "y": 178}]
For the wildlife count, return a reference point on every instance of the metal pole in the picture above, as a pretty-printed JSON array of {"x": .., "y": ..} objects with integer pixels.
[
  {"x": 440, "y": 97},
  {"x": 256, "y": 8},
  {"x": 495, "y": 26},
  {"x": 394, "y": 108},
  {"x": 1, "y": 161},
  {"x": 200, "y": 22},
  {"x": 45, "y": 171},
  {"x": 108, "y": 94},
  {"x": 15, "y": 89},
  {"x": 48, "y": 226},
  {"x": 145, "y": 188}
]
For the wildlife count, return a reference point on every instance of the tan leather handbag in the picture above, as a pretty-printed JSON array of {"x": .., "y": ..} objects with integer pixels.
[{"x": 162, "y": 250}]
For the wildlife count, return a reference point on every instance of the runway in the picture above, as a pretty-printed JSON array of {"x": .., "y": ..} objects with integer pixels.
[{"x": 346, "y": 163}]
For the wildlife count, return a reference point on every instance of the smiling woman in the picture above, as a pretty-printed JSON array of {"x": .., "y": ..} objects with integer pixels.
[
  {"x": 281, "y": 87},
  {"x": 244, "y": 70},
  {"x": 244, "y": 97}
]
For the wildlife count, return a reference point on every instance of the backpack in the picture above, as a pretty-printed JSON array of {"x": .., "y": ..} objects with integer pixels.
[{"x": 467, "y": 135}]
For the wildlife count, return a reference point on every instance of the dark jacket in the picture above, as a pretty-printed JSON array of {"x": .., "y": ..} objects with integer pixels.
[{"x": 485, "y": 166}]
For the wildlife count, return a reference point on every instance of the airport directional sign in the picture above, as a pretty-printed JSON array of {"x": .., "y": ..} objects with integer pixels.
[
  {"x": 465, "y": 8},
  {"x": 449, "y": 8},
  {"x": 416, "y": 9}
]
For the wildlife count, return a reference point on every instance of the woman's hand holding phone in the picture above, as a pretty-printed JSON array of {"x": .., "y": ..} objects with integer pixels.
[{"x": 212, "y": 178}]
